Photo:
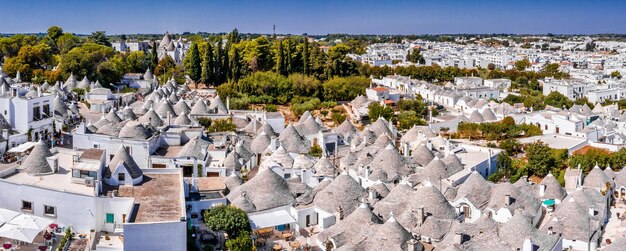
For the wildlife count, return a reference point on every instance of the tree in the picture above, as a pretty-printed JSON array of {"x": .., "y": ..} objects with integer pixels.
[
  {"x": 376, "y": 110},
  {"x": 235, "y": 66},
  {"x": 208, "y": 76},
  {"x": 558, "y": 100},
  {"x": 229, "y": 219},
  {"x": 54, "y": 32},
  {"x": 99, "y": 37},
  {"x": 85, "y": 59},
  {"x": 408, "y": 119},
  {"x": 616, "y": 74},
  {"x": 521, "y": 65},
  {"x": 66, "y": 42},
  {"x": 222, "y": 125},
  {"x": 345, "y": 88},
  {"x": 415, "y": 56},
  {"x": 154, "y": 57},
  {"x": 280, "y": 59},
  {"x": 218, "y": 70},
  {"x": 511, "y": 146},
  {"x": 491, "y": 66},
  {"x": 243, "y": 242},
  {"x": 305, "y": 56},
  {"x": 540, "y": 158},
  {"x": 194, "y": 69}
]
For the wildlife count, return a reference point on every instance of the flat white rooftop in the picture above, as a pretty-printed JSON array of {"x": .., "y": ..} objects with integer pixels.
[
  {"x": 557, "y": 141},
  {"x": 59, "y": 181}
]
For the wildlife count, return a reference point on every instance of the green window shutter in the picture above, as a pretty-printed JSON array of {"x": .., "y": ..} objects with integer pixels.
[{"x": 110, "y": 218}]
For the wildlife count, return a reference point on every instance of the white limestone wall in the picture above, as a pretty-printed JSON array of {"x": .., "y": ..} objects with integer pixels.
[
  {"x": 78, "y": 211},
  {"x": 155, "y": 236}
]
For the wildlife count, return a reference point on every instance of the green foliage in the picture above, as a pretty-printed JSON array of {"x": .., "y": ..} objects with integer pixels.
[
  {"x": 415, "y": 56},
  {"x": 407, "y": 119},
  {"x": 376, "y": 110},
  {"x": 541, "y": 159},
  {"x": 511, "y": 146},
  {"x": 521, "y": 65},
  {"x": 504, "y": 167},
  {"x": 229, "y": 219},
  {"x": 99, "y": 37},
  {"x": 616, "y": 74},
  {"x": 299, "y": 105},
  {"x": 222, "y": 125},
  {"x": 29, "y": 59},
  {"x": 84, "y": 60},
  {"x": 208, "y": 65},
  {"x": 347, "y": 88},
  {"x": 316, "y": 151},
  {"x": 194, "y": 69},
  {"x": 66, "y": 238},
  {"x": 558, "y": 100},
  {"x": 600, "y": 157},
  {"x": 204, "y": 122},
  {"x": 505, "y": 129},
  {"x": 271, "y": 108},
  {"x": 337, "y": 116},
  {"x": 243, "y": 242}
]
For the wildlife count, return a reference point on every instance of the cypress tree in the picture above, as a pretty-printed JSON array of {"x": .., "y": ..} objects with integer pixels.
[
  {"x": 280, "y": 59},
  {"x": 305, "y": 56},
  {"x": 235, "y": 68},
  {"x": 226, "y": 63},
  {"x": 195, "y": 69},
  {"x": 207, "y": 65},
  {"x": 154, "y": 58},
  {"x": 217, "y": 63},
  {"x": 288, "y": 57}
]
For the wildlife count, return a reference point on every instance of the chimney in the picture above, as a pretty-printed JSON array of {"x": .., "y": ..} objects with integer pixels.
[
  {"x": 528, "y": 245},
  {"x": 592, "y": 212},
  {"x": 54, "y": 163},
  {"x": 273, "y": 145},
  {"x": 406, "y": 150},
  {"x": 542, "y": 190},
  {"x": 507, "y": 200},
  {"x": 550, "y": 232},
  {"x": 458, "y": 238},
  {"x": 372, "y": 195},
  {"x": 5, "y": 134},
  {"x": 420, "y": 216},
  {"x": 413, "y": 245},
  {"x": 367, "y": 172}
]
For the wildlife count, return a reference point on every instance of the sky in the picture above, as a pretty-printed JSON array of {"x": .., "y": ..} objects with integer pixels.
[{"x": 317, "y": 17}]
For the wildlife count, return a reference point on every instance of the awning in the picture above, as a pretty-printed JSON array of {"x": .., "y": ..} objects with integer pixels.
[
  {"x": 7, "y": 215},
  {"x": 30, "y": 222},
  {"x": 270, "y": 219},
  {"x": 16, "y": 232},
  {"x": 22, "y": 148}
]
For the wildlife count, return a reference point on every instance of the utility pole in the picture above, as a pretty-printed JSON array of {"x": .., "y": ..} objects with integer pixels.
[{"x": 274, "y": 30}]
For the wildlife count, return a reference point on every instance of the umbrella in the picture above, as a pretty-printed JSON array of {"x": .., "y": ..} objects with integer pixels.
[
  {"x": 7, "y": 215},
  {"x": 30, "y": 222},
  {"x": 18, "y": 233}
]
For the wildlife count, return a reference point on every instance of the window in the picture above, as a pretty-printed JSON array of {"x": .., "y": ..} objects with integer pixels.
[
  {"x": 49, "y": 211},
  {"x": 121, "y": 176},
  {"x": 110, "y": 218},
  {"x": 83, "y": 174},
  {"x": 46, "y": 109},
  {"x": 36, "y": 113},
  {"x": 27, "y": 206}
]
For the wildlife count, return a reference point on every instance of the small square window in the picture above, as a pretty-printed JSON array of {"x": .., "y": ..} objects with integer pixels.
[
  {"x": 121, "y": 176},
  {"x": 110, "y": 218},
  {"x": 49, "y": 211},
  {"x": 27, "y": 206}
]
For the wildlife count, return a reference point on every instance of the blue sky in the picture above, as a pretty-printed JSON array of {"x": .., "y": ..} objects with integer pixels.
[{"x": 317, "y": 17}]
